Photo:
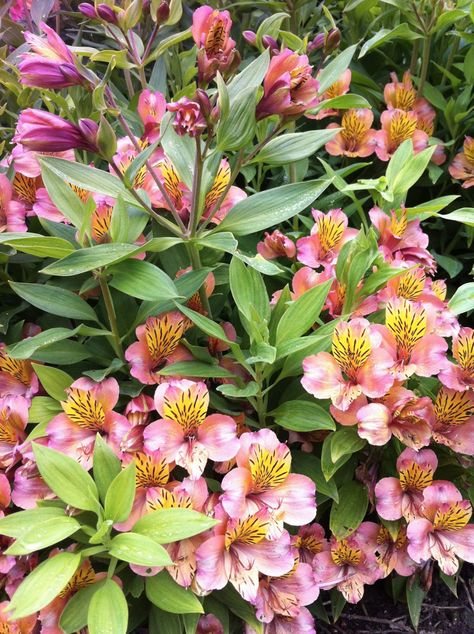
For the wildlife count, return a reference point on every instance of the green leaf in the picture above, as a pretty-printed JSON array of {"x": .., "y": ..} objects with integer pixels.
[
  {"x": 44, "y": 584},
  {"x": 415, "y": 597},
  {"x": 108, "y": 610},
  {"x": 66, "y": 478},
  {"x": 335, "y": 68},
  {"x": 18, "y": 523},
  {"x": 43, "y": 534},
  {"x": 251, "y": 389},
  {"x": 251, "y": 77},
  {"x": 26, "y": 349},
  {"x": 309, "y": 465},
  {"x": 294, "y": 146},
  {"x": 54, "y": 381},
  {"x": 248, "y": 290},
  {"x": 139, "y": 550},
  {"x": 171, "y": 525},
  {"x": 402, "y": 31},
  {"x": 43, "y": 409},
  {"x": 464, "y": 215},
  {"x": 328, "y": 466},
  {"x": 62, "y": 195},
  {"x": 42, "y": 247},
  {"x": 342, "y": 102},
  {"x": 241, "y": 608},
  {"x": 143, "y": 280},
  {"x": 270, "y": 26},
  {"x": 347, "y": 515},
  {"x": 161, "y": 621},
  {"x": 74, "y": 616},
  {"x": 166, "y": 43},
  {"x": 224, "y": 241},
  {"x": 468, "y": 65},
  {"x": 449, "y": 263},
  {"x": 197, "y": 369},
  {"x": 463, "y": 299},
  {"x": 271, "y": 207},
  {"x": 54, "y": 300},
  {"x": 84, "y": 260},
  {"x": 204, "y": 323},
  {"x": 120, "y": 495},
  {"x": 180, "y": 150},
  {"x": 106, "y": 466},
  {"x": 302, "y": 313},
  {"x": 302, "y": 416},
  {"x": 405, "y": 167},
  {"x": 345, "y": 441},
  {"x": 237, "y": 129},
  {"x": 167, "y": 595}
]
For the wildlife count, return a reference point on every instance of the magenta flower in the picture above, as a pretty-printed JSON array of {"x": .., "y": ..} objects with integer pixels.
[
  {"x": 151, "y": 110},
  {"x": 29, "y": 487},
  {"x": 51, "y": 64},
  {"x": 454, "y": 424},
  {"x": 390, "y": 550},
  {"x": 189, "y": 118},
  {"x": 462, "y": 166},
  {"x": 88, "y": 411},
  {"x": 443, "y": 532},
  {"x": 289, "y": 87},
  {"x": 338, "y": 88},
  {"x": 357, "y": 137},
  {"x": 303, "y": 623},
  {"x": 460, "y": 376},
  {"x": 209, "y": 624},
  {"x": 42, "y": 131},
  {"x": 276, "y": 245},
  {"x": 403, "y": 496},
  {"x": 185, "y": 434},
  {"x": 16, "y": 376},
  {"x": 328, "y": 234},
  {"x": 262, "y": 480},
  {"x": 398, "y": 126},
  {"x": 13, "y": 421},
  {"x": 216, "y": 49},
  {"x": 12, "y": 212},
  {"x": 357, "y": 365},
  {"x": 310, "y": 541}
]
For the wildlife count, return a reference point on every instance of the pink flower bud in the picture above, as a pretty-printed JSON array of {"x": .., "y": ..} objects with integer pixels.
[
  {"x": 88, "y": 10},
  {"x": 107, "y": 13},
  {"x": 189, "y": 118}
]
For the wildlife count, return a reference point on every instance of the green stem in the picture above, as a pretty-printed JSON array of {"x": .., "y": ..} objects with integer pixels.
[
  {"x": 109, "y": 306},
  {"x": 260, "y": 400},
  {"x": 193, "y": 253},
  {"x": 449, "y": 63},
  {"x": 414, "y": 57},
  {"x": 424, "y": 63},
  {"x": 112, "y": 565},
  {"x": 196, "y": 190}
]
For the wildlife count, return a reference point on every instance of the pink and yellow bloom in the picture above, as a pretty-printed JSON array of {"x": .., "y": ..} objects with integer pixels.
[
  {"x": 12, "y": 212},
  {"x": 310, "y": 541},
  {"x": 391, "y": 550},
  {"x": 25, "y": 625},
  {"x": 276, "y": 245},
  {"x": 462, "y": 166},
  {"x": 398, "y": 126},
  {"x": 16, "y": 376},
  {"x": 460, "y": 376},
  {"x": 189, "y": 118},
  {"x": 216, "y": 49},
  {"x": 337, "y": 89},
  {"x": 185, "y": 434},
  {"x": 454, "y": 423},
  {"x": 151, "y": 110},
  {"x": 13, "y": 421},
  {"x": 403, "y": 496},
  {"x": 357, "y": 137},
  {"x": 401, "y": 95}
]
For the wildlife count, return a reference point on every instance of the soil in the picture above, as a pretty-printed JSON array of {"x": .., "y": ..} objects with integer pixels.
[{"x": 442, "y": 612}]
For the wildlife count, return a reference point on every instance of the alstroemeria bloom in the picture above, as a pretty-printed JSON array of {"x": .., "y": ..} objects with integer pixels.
[
  {"x": 12, "y": 213},
  {"x": 43, "y": 131},
  {"x": 276, "y": 245},
  {"x": 390, "y": 551},
  {"x": 289, "y": 87},
  {"x": 454, "y": 424},
  {"x": 151, "y": 109},
  {"x": 338, "y": 88},
  {"x": 25, "y": 625},
  {"x": 185, "y": 434},
  {"x": 233, "y": 196},
  {"x": 442, "y": 532},
  {"x": 356, "y": 138},
  {"x": 462, "y": 166},
  {"x": 238, "y": 552},
  {"x": 400, "y": 413},
  {"x": 51, "y": 64},
  {"x": 460, "y": 376},
  {"x": 398, "y": 126},
  {"x": 262, "y": 479},
  {"x": 348, "y": 565},
  {"x": 401, "y": 95},
  {"x": 216, "y": 49},
  {"x": 328, "y": 234},
  {"x": 406, "y": 337},
  {"x": 87, "y": 411},
  {"x": 356, "y": 366},
  {"x": 310, "y": 541},
  {"x": 158, "y": 345},
  {"x": 16, "y": 376},
  {"x": 303, "y": 623},
  {"x": 188, "y": 118},
  {"x": 13, "y": 421},
  {"x": 402, "y": 496},
  {"x": 29, "y": 487}
]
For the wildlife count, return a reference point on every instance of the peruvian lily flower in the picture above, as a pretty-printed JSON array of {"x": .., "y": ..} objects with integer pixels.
[
  {"x": 13, "y": 421},
  {"x": 390, "y": 550},
  {"x": 357, "y": 365},
  {"x": 338, "y": 88},
  {"x": 51, "y": 64},
  {"x": 348, "y": 565},
  {"x": 398, "y": 126},
  {"x": 328, "y": 235},
  {"x": 238, "y": 551},
  {"x": 16, "y": 376},
  {"x": 185, "y": 434},
  {"x": 25, "y": 625},
  {"x": 158, "y": 345},
  {"x": 443, "y": 532},
  {"x": 138, "y": 412},
  {"x": 409, "y": 285},
  {"x": 407, "y": 337},
  {"x": 88, "y": 411},
  {"x": 310, "y": 541},
  {"x": 399, "y": 413},
  {"x": 29, "y": 487},
  {"x": 262, "y": 480},
  {"x": 12, "y": 212},
  {"x": 289, "y": 87},
  {"x": 189, "y": 118},
  {"x": 216, "y": 49},
  {"x": 401, "y": 95},
  {"x": 209, "y": 624},
  {"x": 402, "y": 496},
  {"x": 462, "y": 166},
  {"x": 151, "y": 109},
  {"x": 356, "y": 138},
  {"x": 276, "y": 245},
  {"x": 303, "y": 623},
  {"x": 454, "y": 424},
  {"x": 460, "y": 376}
]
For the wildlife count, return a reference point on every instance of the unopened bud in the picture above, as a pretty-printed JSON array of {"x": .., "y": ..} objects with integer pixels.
[
  {"x": 333, "y": 39},
  {"x": 106, "y": 13},
  {"x": 317, "y": 43},
  {"x": 88, "y": 10},
  {"x": 202, "y": 98},
  {"x": 271, "y": 43},
  {"x": 163, "y": 12},
  {"x": 250, "y": 37},
  {"x": 106, "y": 139}
]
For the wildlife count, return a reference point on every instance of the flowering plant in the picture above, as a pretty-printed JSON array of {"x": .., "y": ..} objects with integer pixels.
[{"x": 231, "y": 378}]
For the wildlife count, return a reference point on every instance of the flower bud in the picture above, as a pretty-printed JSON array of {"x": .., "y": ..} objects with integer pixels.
[
  {"x": 163, "y": 12},
  {"x": 106, "y": 139},
  {"x": 333, "y": 39},
  {"x": 271, "y": 43},
  {"x": 317, "y": 43},
  {"x": 189, "y": 118},
  {"x": 107, "y": 13},
  {"x": 202, "y": 98},
  {"x": 88, "y": 10},
  {"x": 250, "y": 37}
]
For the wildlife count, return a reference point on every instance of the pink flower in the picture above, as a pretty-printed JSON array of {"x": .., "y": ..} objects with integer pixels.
[
  {"x": 356, "y": 366},
  {"x": 401, "y": 95},
  {"x": 400, "y": 413},
  {"x": 51, "y": 64},
  {"x": 238, "y": 551},
  {"x": 188, "y": 119},
  {"x": 262, "y": 480},
  {"x": 209, "y": 624},
  {"x": 460, "y": 376},
  {"x": 289, "y": 87},
  {"x": 216, "y": 49},
  {"x": 356, "y": 138},
  {"x": 328, "y": 234},
  {"x": 151, "y": 110},
  {"x": 303, "y": 623},
  {"x": 158, "y": 345},
  {"x": 442, "y": 532},
  {"x": 338, "y": 88},
  {"x": 185, "y": 434},
  {"x": 13, "y": 421},
  {"x": 42, "y": 131},
  {"x": 462, "y": 166},
  {"x": 276, "y": 245},
  {"x": 88, "y": 411},
  {"x": 12, "y": 213},
  {"x": 398, "y": 126},
  {"x": 454, "y": 424},
  {"x": 233, "y": 196},
  {"x": 16, "y": 376},
  {"x": 348, "y": 565},
  {"x": 29, "y": 487},
  {"x": 310, "y": 541},
  {"x": 25, "y": 625},
  {"x": 390, "y": 549},
  {"x": 402, "y": 496}
]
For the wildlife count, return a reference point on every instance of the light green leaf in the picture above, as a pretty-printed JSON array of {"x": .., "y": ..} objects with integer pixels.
[
  {"x": 42, "y": 247},
  {"x": 43, "y": 409},
  {"x": 294, "y": 146},
  {"x": 120, "y": 495},
  {"x": 18, "y": 523},
  {"x": 405, "y": 167},
  {"x": 302, "y": 313},
  {"x": 143, "y": 280},
  {"x": 204, "y": 323},
  {"x": 224, "y": 241},
  {"x": 332, "y": 72},
  {"x": 108, "y": 610},
  {"x": 171, "y": 525},
  {"x": 270, "y": 26},
  {"x": 343, "y": 102},
  {"x": 54, "y": 300},
  {"x": 464, "y": 215},
  {"x": 53, "y": 380},
  {"x": 106, "y": 466},
  {"x": 62, "y": 195},
  {"x": 167, "y": 595},
  {"x": 463, "y": 299},
  {"x": 91, "y": 258},
  {"x": 181, "y": 150},
  {"x": 139, "y": 549},
  {"x": 302, "y": 416},
  {"x": 197, "y": 369},
  {"x": 43, "y": 534},
  {"x": 237, "y": 129},
  {"x": 345, "y": 441},
  {"x": 74, "y": 616},
  {"x": 251, "y": 77}
]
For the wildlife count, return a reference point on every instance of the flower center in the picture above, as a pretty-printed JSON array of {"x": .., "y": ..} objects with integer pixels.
[
  {"x": 344, "y": 554},
  {"x": 85, "y": 576},
  {"x": 218, "y": 187},
  {"x": 20, "y": 370},
  {"x": 101, "y": 220},
  {"x": 354, "y": 128},
  {"x": 407, "y": 323},
  {"x": 454, "y": 518},
  {"x": 453, "y": 408},
  {"x": 330, "y": 233},
  {"x": 149, "y": 472},
  {"x": 411, "y": 284},
  {"x": 216, "y": 38},
  {"x": 415, "y": 477},
  {"x": 25, "y": 188},
  {"x": 351, "y": 351},
  {"x": 188, "y": 409},
  {"x": 402, "y": 126},
  {"x": 251, "y": 530},
  {"x": 268, "y": 468},
  {"x": 463, "y": 351},
  {"x": 83, "y": 409},
  {"x": 162, "y": 337},
  {"x": 172, "y": 182}
]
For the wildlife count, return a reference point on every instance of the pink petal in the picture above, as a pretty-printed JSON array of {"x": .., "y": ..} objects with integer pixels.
[
  {"x": 218, "y": 434},
  {"x": 429, "y": 355},
  {"x": 236, "y": 485},
  {"x": 388, "y": 495},
  {"x": 212, "y": 564},
  {"x": 374, "y": 423},
  {"x": 165, "y": 435},
  {"x": 418, "y": 533},
  {"x": 297, "y": 499},
  {"x": 322, "y": 375}
]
